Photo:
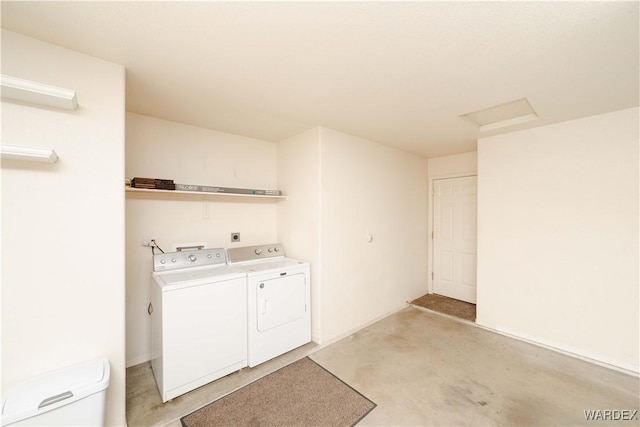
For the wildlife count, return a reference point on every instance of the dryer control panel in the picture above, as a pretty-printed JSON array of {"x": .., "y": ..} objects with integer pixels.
[{"x": 252, "y": 253}]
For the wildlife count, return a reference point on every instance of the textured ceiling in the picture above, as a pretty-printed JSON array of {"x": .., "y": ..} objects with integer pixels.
[{"x": 398, "y": 73}]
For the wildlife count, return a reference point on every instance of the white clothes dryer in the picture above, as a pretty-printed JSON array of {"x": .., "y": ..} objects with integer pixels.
[{"x": 278, "y": 300}]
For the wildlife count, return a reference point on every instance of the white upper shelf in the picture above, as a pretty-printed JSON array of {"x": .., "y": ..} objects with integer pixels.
[
  {"x": 31, "y": 154},
  {"x": 37, "y": 93},
  {"x": 216, "y": 196}
]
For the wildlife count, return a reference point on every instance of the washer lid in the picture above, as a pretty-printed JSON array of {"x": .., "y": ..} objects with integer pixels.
[
  {"x": 197, "y": 275},
  {"x": 53, "y": 390}
]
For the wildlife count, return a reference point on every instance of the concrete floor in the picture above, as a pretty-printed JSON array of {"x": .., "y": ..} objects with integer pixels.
[{"x": 427, "y": 369}]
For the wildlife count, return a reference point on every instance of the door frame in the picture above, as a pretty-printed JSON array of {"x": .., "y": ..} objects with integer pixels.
[{"x": 430, "y": 263}]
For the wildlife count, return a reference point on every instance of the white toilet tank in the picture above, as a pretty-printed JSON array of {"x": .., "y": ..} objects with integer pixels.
[{"x": 73, "y": 396}]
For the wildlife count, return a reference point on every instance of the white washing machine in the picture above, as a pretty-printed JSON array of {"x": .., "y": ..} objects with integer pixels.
[
  {"x": 198, "y": 320},
  {"x": 278, "y": 300}
]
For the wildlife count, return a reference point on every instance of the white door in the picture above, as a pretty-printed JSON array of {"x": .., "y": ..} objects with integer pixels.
[{"x": 454, "y": 237}]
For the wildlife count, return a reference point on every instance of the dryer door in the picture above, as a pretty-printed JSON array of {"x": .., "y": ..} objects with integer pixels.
[{"x": 280, "y": 300}]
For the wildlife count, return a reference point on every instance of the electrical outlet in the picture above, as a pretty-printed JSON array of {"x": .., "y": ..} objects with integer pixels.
[{"x": 235, "y": 237}]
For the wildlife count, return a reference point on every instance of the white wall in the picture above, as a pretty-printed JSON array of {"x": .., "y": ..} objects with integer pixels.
[
  {"x": 63, "y": 223},
  {"x": 558, "y": 236},
  {"x": 455, "y": 165},
  {"x": 188, "y": 155},
  {"x": 465, "y": 164},
  {"x": 299, "y": 216},
  {"x": 340, "y": 188},
  {"x": 369, "y": 188}
]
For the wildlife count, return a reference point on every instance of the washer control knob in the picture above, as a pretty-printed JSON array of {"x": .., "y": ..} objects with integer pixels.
[
  {"x": 258, "y": 251},
  {"x": 276, "y": 249},
  {"x": 270, "y": 250},
  {"x": 173, "y": 260},
  {"x": 218, "y": 255},
  {"x": 209, "y": 256},
  {"x": 192, "y": 258},
  {"x": 162, "y": 261}
]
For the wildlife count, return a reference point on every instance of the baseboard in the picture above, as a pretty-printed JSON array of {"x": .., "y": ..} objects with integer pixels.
[
  {"x": 357, "y": 328},
  {"x": 562, "y": 351},
  {"x": 137, "y": 360}
]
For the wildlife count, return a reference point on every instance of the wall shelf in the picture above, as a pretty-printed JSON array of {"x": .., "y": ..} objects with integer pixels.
[
  {"x": 207, "y": 195},
  {"x": 37, "y": 93},
  {"x": 31, "y": 154}
]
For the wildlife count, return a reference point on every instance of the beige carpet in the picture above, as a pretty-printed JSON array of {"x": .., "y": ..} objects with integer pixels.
[
  {"x": 300, "y": 394},
  {"x": 450, "y": 306}
]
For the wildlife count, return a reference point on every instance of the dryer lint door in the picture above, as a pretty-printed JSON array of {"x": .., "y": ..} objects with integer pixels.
[{"x": 280, "y": 301}]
